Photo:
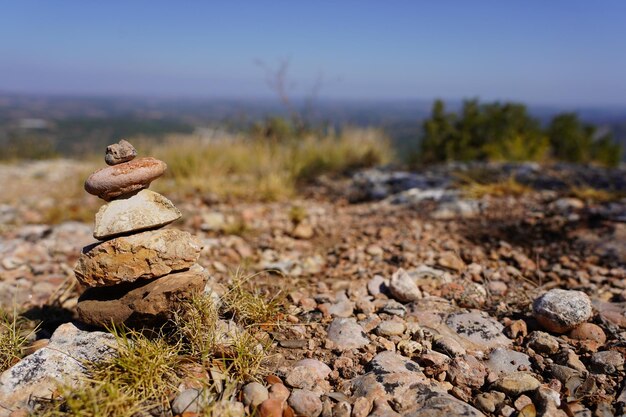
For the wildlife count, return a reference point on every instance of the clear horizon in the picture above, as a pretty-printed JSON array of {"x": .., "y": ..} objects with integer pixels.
[{"x": 561, "y": 53}]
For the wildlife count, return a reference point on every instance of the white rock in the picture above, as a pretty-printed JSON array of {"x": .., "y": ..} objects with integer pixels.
[
  {"x": 144, "y": 210},
  {"x": 62, "y": 361}
]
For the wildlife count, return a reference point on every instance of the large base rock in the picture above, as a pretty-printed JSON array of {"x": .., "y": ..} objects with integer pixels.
[
  {"x": 144, "y": 255},
  {"x": 141, "y": 303},
  {"x": 145, "y": 210},
  {"x": 61, "y": 362}
]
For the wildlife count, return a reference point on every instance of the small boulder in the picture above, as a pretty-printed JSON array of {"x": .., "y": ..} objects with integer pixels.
[{"x": 559, "y": 310}]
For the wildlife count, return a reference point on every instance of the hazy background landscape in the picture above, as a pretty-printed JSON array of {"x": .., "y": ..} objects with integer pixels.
[{"x": 74, "y": 78}]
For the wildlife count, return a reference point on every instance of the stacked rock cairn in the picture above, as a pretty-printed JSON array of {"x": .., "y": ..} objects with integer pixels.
[{"x": 138, "y": 271}]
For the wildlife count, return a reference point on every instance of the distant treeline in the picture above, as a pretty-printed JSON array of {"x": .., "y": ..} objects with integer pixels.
[
  {"x": 507, "y": 132},
  {"x": 473, "y": 131}
]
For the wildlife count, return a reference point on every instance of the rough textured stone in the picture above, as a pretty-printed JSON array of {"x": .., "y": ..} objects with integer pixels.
[
  {"x": 144, "y": 255},
  {"x": 59, "y": 362},
  {"x": 559, "y": 310},
  {"x": 479, "y": 329},
  {"x": 141, "y": 302},
  {"x": 543, "y": 342},
  {"x": 126, "y": 178},
  {"x": 502, "y": 361},
  {"x": 119, "y": 152},
  {"x": 423, "y": 400},
  {"x": 388, "y": 375},
  {"x": 145, "y": 210},
  {"x": 347, "y": 334},
  {"x": 607, "y": 362}
]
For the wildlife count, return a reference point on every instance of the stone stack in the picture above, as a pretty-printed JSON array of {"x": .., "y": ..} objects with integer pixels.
[{"x": 138, "y": 271}]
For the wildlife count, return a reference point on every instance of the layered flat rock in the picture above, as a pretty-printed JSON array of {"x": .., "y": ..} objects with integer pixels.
[
  {"x": 144, "y": 210},
  {"x": 125, "y": 178},
  {"x": 144, "y": 255},
  {"x": 141, "y": 302}
]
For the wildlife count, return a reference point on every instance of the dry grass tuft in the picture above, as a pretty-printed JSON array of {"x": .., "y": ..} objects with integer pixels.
[
  {"x": 588, "y": 193},
  {"x": 501, "y": 188},
  {"x": 13, "y": 337},
  {"x": 250, "y": 307},
  {"x": 265, "y": 170}
]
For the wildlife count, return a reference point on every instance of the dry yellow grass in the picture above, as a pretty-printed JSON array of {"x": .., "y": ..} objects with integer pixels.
[
  {"x": 265, "y": 170},
  {"x": 501, "y": 188}
]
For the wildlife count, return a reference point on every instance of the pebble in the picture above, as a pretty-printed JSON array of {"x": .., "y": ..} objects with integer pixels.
[
  {"x": 490, "y": 401},
  {"x": 362, "y": 407},
  {"x": 516, "y": 383},
  {"x": 403, "y": 288},
  {"x": 588, "y": 331},
  {"x": 607, "y": 362},
  {"x": 126, "y": 178},
  {"x": 376, "y": 285},
  {"x": 271, "y": 408},
  {"x": 346, "y": 334},
  {"x": 390, "y": 328},
  {"x": 119, "y": 152},
  {"x": 448, "y": 346},
  {"x": 467, "y": 371},
  {"x": 542, "y": 342},
  {"x": 342, "y": 409},
  {"x": 319, "y": 368},
  {"x": 279, "y": 392},
  {"x": 560, "y": 310},
  {"x": 503, "y": 361},
  {"x": 190, "y": 400},
  {"x": 451, "y": 260},
  {"x": 305, "y": 403},
  {"x": 254, "y": 393}
]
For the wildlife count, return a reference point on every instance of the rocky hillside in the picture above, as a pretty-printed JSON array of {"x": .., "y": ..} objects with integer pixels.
[{"x": 472, "y": 290}]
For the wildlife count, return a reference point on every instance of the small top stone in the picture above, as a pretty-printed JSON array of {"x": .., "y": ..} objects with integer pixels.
[{"x": 119, "y": 152}]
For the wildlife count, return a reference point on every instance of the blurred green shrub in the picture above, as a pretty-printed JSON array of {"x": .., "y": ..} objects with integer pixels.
[{"x": 507, "y": 132}]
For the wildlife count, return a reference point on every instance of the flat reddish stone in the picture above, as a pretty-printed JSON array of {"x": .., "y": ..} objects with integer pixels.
[{"x": 118, "y": 180}]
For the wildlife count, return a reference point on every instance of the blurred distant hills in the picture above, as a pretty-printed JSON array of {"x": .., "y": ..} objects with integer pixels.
[{"x": 80, "y": 125}]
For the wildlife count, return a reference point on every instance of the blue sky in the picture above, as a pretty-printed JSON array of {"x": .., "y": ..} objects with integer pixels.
[{"x": 540, "y": 52}]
